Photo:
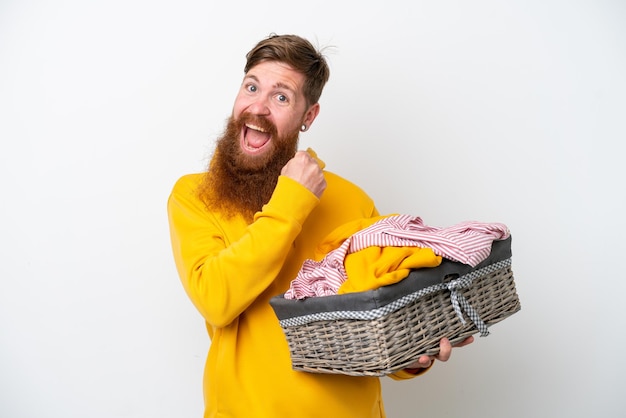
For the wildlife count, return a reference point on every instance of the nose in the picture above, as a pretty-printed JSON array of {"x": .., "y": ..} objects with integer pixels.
[{"x": 259, "y": 106}]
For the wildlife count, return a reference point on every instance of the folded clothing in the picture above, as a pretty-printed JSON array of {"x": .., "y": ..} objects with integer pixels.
[
  {"x": 369, "y": 253},
  {"x": 417, "y": 279}
]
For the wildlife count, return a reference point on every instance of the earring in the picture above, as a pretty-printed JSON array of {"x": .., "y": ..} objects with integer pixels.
[{"x": 303, "y": 128}]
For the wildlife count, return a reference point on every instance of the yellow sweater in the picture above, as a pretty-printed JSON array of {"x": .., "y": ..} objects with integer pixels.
[{"x": 230, "y": 270}]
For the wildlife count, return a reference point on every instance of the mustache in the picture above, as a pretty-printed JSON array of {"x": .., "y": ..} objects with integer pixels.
[{"x": 256, "y": 120}]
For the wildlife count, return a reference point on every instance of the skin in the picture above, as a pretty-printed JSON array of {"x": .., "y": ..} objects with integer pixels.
[{"x": 274, "y": 91}]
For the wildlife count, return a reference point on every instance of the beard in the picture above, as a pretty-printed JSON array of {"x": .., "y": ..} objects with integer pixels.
[{"x": 240, "y": 184}]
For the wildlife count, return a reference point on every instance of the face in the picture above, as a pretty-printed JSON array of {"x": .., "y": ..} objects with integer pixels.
[
  {"x": 260, "y": 138},
  {"x": 271, "y": 105}
]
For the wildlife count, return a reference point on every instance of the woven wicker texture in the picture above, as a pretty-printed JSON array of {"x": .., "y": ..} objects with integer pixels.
[{"x": 380, "y": 346}]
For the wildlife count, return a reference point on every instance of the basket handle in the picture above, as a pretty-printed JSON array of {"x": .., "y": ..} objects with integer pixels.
[{"x": 459, "y": 301}]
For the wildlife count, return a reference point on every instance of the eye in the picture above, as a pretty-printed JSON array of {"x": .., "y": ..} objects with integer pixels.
[
  {"x": 251, "y": 88},
  {"x": 282, "y": 98}
]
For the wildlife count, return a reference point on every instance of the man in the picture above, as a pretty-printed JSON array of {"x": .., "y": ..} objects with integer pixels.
[{"x": 241, "y": 231}]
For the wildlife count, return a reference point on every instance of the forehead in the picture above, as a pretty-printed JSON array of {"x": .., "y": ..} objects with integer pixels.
[{"x": 277, "y": 74}]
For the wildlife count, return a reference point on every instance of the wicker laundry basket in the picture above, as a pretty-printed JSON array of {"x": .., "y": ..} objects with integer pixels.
[{"x": 376, "y": 332}]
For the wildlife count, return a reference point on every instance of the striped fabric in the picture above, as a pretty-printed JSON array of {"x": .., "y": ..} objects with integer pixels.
[{"x": 467, "y": 242}]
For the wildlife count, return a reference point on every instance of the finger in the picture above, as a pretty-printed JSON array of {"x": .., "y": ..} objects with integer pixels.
[
  {"x": 425, "y": 361},
  {"x": 305, "y": 155},
  {"x": 445, "y": 350},
  {"x": 308, "y": 156}
]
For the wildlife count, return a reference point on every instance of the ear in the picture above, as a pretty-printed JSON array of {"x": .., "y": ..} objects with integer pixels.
[{"x": 311, "y": 114}]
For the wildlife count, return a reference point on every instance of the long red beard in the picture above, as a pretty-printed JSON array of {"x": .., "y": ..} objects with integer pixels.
[{"x": 239, "y": 184}]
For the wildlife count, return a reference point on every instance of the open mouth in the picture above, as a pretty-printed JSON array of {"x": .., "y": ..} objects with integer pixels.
[{"x": 254, "y": 138}]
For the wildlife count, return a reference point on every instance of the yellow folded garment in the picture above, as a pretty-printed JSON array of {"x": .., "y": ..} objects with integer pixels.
[{"x": 373, "y": 267}]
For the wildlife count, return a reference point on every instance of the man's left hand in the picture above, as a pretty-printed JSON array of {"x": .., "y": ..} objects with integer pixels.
[{"x": 445, "y": 351}]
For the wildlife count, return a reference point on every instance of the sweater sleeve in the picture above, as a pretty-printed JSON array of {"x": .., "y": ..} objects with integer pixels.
[
  {"x": 404, "y": 374},
  {"x": 223, "y": 278}
]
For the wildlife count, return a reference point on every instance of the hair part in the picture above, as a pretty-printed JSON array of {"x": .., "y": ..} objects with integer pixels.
[{"x": 299, "y": 54}]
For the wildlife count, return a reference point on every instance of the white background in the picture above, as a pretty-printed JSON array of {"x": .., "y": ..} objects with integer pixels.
[{"x": 451, "y": 110}]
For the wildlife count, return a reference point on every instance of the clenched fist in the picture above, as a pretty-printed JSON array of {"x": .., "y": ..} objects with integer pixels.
[{"x": 304, "y": 169}]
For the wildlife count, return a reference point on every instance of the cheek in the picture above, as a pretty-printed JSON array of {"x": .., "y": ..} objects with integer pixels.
[
  {"x": 288, "y": 124},
  {"x": 239, "y": 106}
]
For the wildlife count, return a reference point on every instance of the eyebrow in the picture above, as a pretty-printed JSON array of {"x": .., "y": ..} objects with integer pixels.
[{"x": 278, "y": 85}]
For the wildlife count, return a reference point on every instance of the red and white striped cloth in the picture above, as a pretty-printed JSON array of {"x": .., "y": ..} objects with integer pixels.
[{"x": 467, "y": 242}]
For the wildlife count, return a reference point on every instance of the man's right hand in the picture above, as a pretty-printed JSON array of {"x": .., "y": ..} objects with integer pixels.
[{"x": 304, "y": 169}]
